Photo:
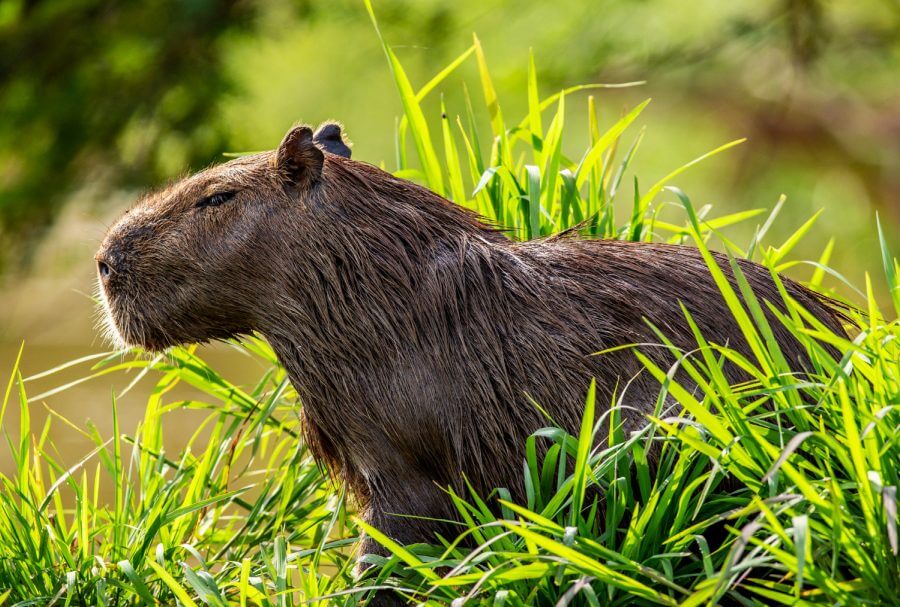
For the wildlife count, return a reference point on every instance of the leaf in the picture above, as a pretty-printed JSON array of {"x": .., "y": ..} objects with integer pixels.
[
  {"x": 405, "y": 555},
  {"x": 137, "y": 583},
  {"x": 581, "y": 471},
  {"x": 414, "y": 114},
  {"x": 792, "y": 240},
  {"x": 891, "y": 269},
  {"x": 176, "y": 588},
  {"x": 533, "y": 220},
  {"x": 607, "y": 139},
  {"x": 659, "y": 185}
]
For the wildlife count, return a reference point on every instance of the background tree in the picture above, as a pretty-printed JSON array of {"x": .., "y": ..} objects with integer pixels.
[{"x": 120, "y": 90}]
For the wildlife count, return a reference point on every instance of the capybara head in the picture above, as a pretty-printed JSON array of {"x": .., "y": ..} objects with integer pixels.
[{"x": 193, "y": 262}]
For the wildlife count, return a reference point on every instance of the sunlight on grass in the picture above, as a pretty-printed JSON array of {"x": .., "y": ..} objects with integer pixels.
[{"x": 779, "y": 490}]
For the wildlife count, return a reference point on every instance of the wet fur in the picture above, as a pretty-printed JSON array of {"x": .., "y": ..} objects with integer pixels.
[{"x": 415, "y": 334}]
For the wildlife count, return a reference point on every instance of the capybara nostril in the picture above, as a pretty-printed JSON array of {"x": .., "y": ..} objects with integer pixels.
[{"x": 103, "y": 269}]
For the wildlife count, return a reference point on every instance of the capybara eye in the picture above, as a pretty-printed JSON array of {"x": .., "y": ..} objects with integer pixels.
[{"x": 215, "y": 200}]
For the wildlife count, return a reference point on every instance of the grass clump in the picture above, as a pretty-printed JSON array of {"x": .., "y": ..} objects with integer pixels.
[
  {"x": 210, "y": 525},
  {"x": 779, "y": 490}
]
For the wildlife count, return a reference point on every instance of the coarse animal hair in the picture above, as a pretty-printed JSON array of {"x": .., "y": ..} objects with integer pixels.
[{"x": 417, "y": 336}]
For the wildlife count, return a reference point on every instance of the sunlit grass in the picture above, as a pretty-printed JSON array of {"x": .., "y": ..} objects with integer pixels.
[
  {"x": 780, "y": 490},
  {"x": 212, "y": 522}
]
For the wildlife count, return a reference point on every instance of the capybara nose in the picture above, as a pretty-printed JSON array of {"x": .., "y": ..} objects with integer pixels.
[
  {"x": 104, "y": 270},
  {"x": 105, "y": 266}
]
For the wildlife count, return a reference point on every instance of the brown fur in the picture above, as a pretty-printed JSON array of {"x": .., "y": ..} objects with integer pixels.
[{"x": 414, "y": 333}]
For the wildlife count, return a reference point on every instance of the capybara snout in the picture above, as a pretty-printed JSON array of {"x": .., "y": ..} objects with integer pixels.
[{"x": 193, "y": 262}]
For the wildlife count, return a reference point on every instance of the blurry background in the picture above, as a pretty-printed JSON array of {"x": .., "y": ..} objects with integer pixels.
[{"x": 101, "y": 99}]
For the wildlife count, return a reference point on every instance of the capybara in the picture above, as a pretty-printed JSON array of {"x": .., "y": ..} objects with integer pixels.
[{"x": 418, "y": 337}]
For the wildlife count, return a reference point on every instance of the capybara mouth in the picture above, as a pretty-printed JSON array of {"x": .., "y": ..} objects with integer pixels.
[{"x": 124, "y": 326}]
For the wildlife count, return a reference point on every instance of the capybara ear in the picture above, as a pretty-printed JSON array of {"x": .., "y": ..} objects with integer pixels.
[
  {"x": 298, "y": 159},
  {"x": 329, "y": 138}
]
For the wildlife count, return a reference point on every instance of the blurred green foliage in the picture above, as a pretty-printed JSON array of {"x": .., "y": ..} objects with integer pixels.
[
  {"x": 95, "y": 88},
  {"x": 132, "y": 94}
]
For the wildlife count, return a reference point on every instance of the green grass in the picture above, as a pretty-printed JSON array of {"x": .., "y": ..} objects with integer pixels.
[{"x": 779, "y": 490}]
